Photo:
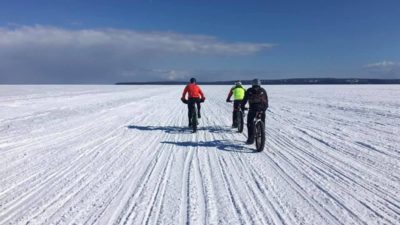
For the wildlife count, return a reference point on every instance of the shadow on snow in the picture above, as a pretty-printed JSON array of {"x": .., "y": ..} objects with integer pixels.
[
  {"x": 166, "y": 129},
  {"x": 180, "y": 129},
  {"x": 223, "y": 145}
]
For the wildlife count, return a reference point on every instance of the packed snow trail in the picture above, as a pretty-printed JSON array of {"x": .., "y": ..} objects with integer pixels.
[{"x": 124, "y": 155}]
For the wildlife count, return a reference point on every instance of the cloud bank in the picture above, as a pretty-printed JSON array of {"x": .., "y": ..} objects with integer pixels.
[
  {"x": 40, "y": 54},
  {"x": 386, "y": 68},
  {"x": 383, "y": 64}
]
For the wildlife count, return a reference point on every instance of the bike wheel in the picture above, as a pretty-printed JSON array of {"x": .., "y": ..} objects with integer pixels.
[
  {"x": 240, "y": 121},
  {"x": 259, "y": 136},
  {"x": 194, "y": 121}
]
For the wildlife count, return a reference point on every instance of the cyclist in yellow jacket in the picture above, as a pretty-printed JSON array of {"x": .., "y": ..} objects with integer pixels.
[{"x": 238, "y": 92}]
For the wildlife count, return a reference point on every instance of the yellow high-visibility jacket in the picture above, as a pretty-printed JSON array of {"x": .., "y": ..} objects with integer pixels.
[{"x": 237, "y": 92}]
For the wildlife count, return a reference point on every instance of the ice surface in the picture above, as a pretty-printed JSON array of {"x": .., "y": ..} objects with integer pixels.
[{"x": 123, "y": 155}]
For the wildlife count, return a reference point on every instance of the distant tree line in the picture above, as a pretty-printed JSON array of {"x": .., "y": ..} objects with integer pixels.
[{"x": 293, "y": 81}]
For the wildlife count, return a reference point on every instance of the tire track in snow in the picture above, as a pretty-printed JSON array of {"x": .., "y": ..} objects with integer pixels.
[{"x": 132, "y": 163}]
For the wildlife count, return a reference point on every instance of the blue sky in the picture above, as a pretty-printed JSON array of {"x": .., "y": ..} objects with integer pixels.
[{"x": 109, "y": 41}]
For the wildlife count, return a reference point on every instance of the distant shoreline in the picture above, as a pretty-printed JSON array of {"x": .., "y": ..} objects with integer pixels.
[{"x": 294, "y": 81}]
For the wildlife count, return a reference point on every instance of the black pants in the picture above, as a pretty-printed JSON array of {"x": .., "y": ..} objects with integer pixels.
[
  {"x": 191, "y": 102},
  {"x": 250, "y": 122},
  {"x": 236, "y": 105}
]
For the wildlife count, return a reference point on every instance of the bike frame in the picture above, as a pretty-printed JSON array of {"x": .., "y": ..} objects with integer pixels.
[{"x": 257, "y": 118}]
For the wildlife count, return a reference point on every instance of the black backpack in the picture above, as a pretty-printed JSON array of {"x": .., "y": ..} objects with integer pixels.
[{"x": 258, "y": 96}]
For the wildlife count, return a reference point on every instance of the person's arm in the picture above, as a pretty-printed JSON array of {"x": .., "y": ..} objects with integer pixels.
[
  {"x": 184, "y": 92},
  {"x": 266, "y": 99},
  {"x": 245, "y": 99},
  {"x": 228, "y": 99},
  {"x": 201, "y": 94}
]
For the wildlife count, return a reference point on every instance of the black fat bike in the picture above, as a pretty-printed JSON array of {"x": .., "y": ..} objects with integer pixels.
[
  {"x": 239, "y": 118},
  {"x": 259, "y": 132},
  {"x": 194, "y": 121}
]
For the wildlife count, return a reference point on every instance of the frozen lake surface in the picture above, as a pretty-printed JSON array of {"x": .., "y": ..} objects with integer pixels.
[{"x": 124, "y": 155}]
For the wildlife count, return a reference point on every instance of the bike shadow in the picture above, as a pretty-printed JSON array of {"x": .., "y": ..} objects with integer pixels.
[
  {"x": 166, "y": 129},
  {"x": 223, "y": 145},
  {"x": 215, "y": 129},
  {"x": 179, "y": 129}
]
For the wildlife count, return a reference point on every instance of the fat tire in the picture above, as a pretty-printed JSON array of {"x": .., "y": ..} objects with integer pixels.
[
  {"x": 259, "y": 136},
  {"x": 240, "y": 121}
]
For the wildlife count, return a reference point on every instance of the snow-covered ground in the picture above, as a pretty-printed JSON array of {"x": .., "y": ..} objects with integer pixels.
[{"x": 123, "y": 155}]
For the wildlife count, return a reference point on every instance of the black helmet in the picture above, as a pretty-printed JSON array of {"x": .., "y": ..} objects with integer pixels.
[
  {"x": 192, "y": 80},
  {"x": 256, "y": 82}
]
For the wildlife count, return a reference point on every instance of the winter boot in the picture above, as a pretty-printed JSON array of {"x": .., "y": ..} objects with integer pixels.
[{"x": 250, "y": 141}]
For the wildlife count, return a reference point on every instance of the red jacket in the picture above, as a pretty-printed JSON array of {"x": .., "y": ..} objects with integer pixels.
[{"x": 194, "y": 91}]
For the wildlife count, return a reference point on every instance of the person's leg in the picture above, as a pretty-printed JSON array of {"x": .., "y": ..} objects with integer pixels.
[
  {"x": 263, "y": 117},
  {"x": 250, "y": 127},
  {"x": 198, "y": 102}
]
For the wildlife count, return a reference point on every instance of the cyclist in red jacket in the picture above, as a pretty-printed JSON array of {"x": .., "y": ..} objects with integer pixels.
[{"x": 196, "y": 96}]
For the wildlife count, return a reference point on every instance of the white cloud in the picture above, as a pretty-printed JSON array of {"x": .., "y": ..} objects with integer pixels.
[
  {"x": 383, "y": 64},
  {"x": 40, "y": 54},
  {"x": 124, "y": 40},
  {"x": 159, "y": 74},
  {"x": 385, "y": 68}
]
